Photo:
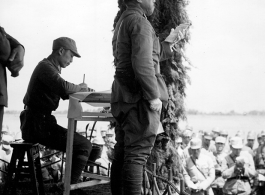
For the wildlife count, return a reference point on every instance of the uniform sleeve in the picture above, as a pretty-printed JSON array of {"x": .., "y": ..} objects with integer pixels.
[
  {"x": 13, "y": 42},
  {"x": 187, "y": 178},
  {"x": 142, "y": 60},
  {"x": 16, "y": 65},
  {"x": 249, "y": 167},
  {"x": 56, "y": 83},
  {"x": 4, "y": 46},
  {"x": 229, "y": 172}
]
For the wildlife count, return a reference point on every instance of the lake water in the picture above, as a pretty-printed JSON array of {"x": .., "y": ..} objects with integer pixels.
[{"x": 199, "y": 122}]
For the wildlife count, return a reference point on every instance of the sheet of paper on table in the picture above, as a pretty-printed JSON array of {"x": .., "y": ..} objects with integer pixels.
[{"x": 96, "y": 99}]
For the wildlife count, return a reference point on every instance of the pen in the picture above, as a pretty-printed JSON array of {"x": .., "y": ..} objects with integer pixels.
[{"x": 84, "y": 78}]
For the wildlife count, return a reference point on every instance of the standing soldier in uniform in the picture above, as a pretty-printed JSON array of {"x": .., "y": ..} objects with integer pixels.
[
  {"x": 239, "y": 169},
  {"x": 136, "y": 98},
  {"x": 199, "y": 170}
]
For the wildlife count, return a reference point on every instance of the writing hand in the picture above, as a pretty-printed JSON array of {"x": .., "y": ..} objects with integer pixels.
[
  {"x": 90, "y": 89},
  {"x": 84, "y": 87}
]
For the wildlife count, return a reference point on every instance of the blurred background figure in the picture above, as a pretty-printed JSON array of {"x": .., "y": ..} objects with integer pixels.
[
  {"x": 224, "y": 133},
  {"x": 189, "y": 127},
  {"x": 245, "y": 147},
  {"x": 220, "y": 155},
  {"x": 260, "y": 139},
  {"x": 263, "y": 135},
  {"x": 250, "y": 139},
  {"x": 198, "y": 170},
  {"x": 5, "y": 155},
  {"x": 52, "y": 172},
  {"x": 215, "y": 133},
  {"x": 178, "y": 143},
  {"x": 5, "y": 130},
  {"x": 207, "y": 142},
  {"x": 186, "y": 137},
  {"x": 98, "y": 150},
  {"x": 201, "y": 133},
  {"x": 260, "y": 143},
  {"x": 239, "y": 169},
  {"x": 260, "y": 168},
  {"x": 110, "y": 145}
]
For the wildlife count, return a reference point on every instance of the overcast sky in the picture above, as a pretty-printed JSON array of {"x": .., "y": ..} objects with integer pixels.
[{"x": 227, "y": 47}]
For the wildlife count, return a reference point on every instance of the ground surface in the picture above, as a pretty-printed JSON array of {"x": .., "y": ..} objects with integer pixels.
[{"x": 24, "y": 188}]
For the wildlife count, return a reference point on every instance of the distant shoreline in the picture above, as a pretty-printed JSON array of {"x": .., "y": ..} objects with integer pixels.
[{"x": 189, "y": 112}]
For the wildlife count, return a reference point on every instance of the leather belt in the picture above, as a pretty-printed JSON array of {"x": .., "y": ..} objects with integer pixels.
[
  {"x": 243, "y": 178},
  {"x": 39, "y": 111}
]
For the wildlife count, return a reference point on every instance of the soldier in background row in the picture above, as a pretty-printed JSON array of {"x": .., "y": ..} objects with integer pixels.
[
  {"x": 239, "y": 169},
  {"x": 220, "y": 155},
  {"x": 198, "y": 170}
]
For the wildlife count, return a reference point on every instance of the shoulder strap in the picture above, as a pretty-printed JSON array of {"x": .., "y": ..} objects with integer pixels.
[
  {"x": 198, "y": 167},
  {"x": 217, "y": 160},
  {"x": 262, "y": 156},
  {"x": 232, "y": 158},
  {"x": 228, "y": 159}
]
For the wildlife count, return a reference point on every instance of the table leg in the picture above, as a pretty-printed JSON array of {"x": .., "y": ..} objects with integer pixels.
[{"x": 69, "y": 154}]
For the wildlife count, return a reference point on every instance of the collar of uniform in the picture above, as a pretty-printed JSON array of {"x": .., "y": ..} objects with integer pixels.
[
  {"x": 56, "y": 66},
  {"x": 136, "y": 9}
]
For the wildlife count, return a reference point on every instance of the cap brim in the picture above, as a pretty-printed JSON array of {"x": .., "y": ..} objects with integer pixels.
[
  {"x": 237, "y": 146},
  {"x": 208, "y": 137},
  {"x": 76, "y": 54},
  {"x": 195, "y": 147}
]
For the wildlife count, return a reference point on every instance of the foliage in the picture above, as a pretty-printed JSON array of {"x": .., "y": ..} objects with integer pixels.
[{"x": 169, "y": 14}]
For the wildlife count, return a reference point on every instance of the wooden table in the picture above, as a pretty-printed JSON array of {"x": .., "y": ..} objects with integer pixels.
[{"x": 75, "y": 113}]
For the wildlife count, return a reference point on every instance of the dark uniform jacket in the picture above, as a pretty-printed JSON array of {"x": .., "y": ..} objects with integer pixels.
[
  {"x": 46, "y": 87},
  {"x": 7, "y": 44},
  {"x": 137, "y": 52}
]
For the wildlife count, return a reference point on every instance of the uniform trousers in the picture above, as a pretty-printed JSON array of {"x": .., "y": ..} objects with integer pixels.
[
  {"x": 136, "y": 130},
  {"x": 42, "y": 128}
]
